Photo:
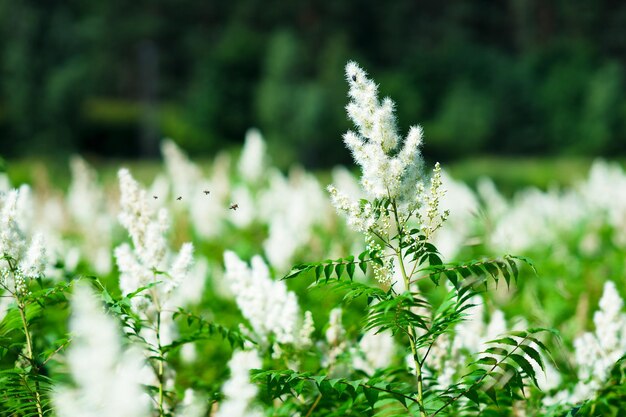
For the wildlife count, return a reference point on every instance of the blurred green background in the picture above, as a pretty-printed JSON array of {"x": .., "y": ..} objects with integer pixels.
[{"x": 111, "y": 78}]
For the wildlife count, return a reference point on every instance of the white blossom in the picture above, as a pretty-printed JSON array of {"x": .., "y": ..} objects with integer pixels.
[
  {"x": 387, "y": 170},
  {"x": 238, "y": 391},
  {"x": 12, "y": 236},
  {"x": 268, "y": 306},
  {"x": 87, "y": 204},
  {"x": 253, "y": 157},
  {"x": 149, "y": 252},
  {"x": 149, "y": 260},
  {"x": 108, "y": 378},
  {"x": 291, "y": 206},
  {"x": 192, "y": 405},
  {"x": 375, "y": 351},
  {"x": 27, "y": 256},
  {"x": 34, "y": 263},
  {"x": 596, "y": 353},
  {"x": 335, "y": 338}
]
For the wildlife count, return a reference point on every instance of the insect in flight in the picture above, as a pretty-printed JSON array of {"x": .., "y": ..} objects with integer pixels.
[
  {"x": 155, "y": 197},
  {"x": 234, "y": 206},
  {"x": 179, "y": 198},
  {"x": 207, "y": 192}
]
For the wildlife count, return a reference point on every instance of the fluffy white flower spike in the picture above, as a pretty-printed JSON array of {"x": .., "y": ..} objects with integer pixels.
[
  {"x": 26, "y": 258},
  {"x": 149, "y": 251},
  {"x": 238, "y": 391},
  {"x": 388, "y": 171},
  {"x": 596, "y": 353},
  {"x": 108, "y": 378},
  {"x": 270, "y": 308}
]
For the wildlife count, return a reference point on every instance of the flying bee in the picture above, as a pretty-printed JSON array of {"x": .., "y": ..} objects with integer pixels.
[
  {"x": 155, "y": 197},
  {"x": 234, "y": 206},
  {"x": 179, "y": 198},
  {"x": 206, "y": 192}
]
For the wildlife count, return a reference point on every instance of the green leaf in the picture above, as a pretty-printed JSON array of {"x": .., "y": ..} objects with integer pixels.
[
  {"x": 328, "y": 270},
  {"x": 350, "y": 267},
  {"x": 505, "y": 341},
  {"x": 472, "y": 395},
  {"x": 371, "y": 395},
  {"x": 339, "y": 268},
  {"x": 487, "y": 360},
  {"x": 525, "y": 365},
  {"x": 533, "y": 354}
]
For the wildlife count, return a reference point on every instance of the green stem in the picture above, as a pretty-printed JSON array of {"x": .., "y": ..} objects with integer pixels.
[
  {"x": 160, "y": 373},
  {"x": 21, "y": 306},
  {"x": 29, "y": 355},
  {"x": 160, "y": 366},
  {"x": 410, "y": 329}
]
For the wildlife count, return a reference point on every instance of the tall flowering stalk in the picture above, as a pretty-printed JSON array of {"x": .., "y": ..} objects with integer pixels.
[
  {"x": 148, "y": 267},
  {"x": 399, "y": 217},
  {"x": 21, "y": 262}
]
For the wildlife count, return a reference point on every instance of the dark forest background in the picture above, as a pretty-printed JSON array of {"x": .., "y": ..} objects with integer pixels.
[{"x": 110, "y": 78}]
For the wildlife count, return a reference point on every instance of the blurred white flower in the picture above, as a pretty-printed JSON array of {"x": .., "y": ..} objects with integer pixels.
[
  {"x": 253, "y": 157},
  {"x": 87, "y": 205},
  {"x": 267, "y": 304},
  {"x": 28, "y": 255},
  {"x": 192, "y": 405},
  {"x": 108, "y": 378},
  {"x": 238, "y": 391},
  {"x": 375, "y": 351},
  {"x": 33, "y": 264},
  {"x": 596, "y": 353}
]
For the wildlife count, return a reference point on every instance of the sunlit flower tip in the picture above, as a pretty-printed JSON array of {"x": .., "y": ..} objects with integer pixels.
[
  {"x": 334, "y": 332},
  {"x": 182, "y": 264},
  {"x": 239, "y": 392},
  {"x": 353, "y": 72},
  {"x": 252, "y": 159},
  {"x": 34, "y": 263},
  {"x": 308, "y": 327}
]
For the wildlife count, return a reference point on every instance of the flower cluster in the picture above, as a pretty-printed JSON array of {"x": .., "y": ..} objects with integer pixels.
[
  {"x": 597, "y": 352},
  {"x": 86, "y": 203},
  {"x": 238, "y": 391},
  {"x": 108, "y": 378},
  {"x": 267, "y": 304},
  {"x": 20, "y": 259},
  {"x": 149, "y": 255},
  {"x": 387, "y": 170}
]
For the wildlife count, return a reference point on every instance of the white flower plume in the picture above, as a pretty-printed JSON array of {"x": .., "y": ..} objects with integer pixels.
[
  {"x": 388, "y": 170},
  {"x": 238, "y": 391},
  {"x": 270, "y": 308},
  {"x": 108, "y": 378}
]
